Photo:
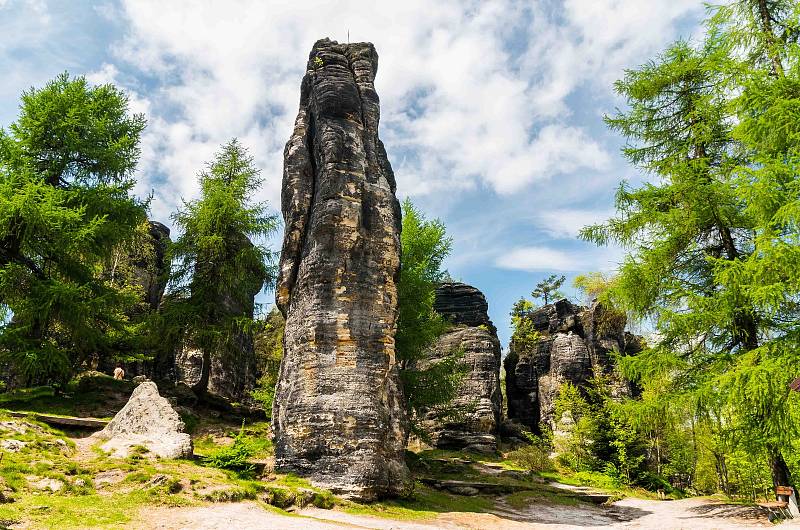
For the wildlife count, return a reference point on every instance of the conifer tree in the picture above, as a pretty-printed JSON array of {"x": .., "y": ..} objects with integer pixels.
[
  {"x": 713, "y": 238},
  {"x": 218, "y": 267},
  {"x": 66, "y": 175},
  {"x": 425, "y": 245}
]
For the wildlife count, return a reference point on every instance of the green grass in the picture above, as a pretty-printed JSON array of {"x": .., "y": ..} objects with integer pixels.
[
  {"x": 425, "y": 503},
  {"x": 601, "y": 482}
]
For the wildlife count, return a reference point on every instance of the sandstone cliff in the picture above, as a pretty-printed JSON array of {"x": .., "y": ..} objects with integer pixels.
[
  {"x": 479, "y": 397},
  {"x": 338, "y": 414},
  {"x": 575, "y": 345}
]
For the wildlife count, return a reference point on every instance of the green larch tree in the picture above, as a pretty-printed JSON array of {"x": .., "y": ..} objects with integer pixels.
[
  {"x": 218, "y": 268},
  {"x": 66, "y": 176},
  {"x": 702, "y": 121}
]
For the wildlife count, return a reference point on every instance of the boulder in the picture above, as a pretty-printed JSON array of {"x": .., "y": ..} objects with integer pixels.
[
  {"x": 575, "y": 345},
  {"x": 479, "y": 399},
  {"x": 147, "y": 420},
  {"x": 338, "y": 412}
]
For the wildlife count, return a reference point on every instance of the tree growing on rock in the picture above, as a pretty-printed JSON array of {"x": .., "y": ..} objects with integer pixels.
[
  {"x": 548, "y": 289},
  {"x": 218, "y": 269},
  {"x": 66, "y": 175}
]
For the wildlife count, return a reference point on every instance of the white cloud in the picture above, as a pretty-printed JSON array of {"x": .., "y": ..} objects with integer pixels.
[
  {"x": 472, "y": 93},
  {"x": 566, "y": 223},
  {"x": 541, "y": 258}
]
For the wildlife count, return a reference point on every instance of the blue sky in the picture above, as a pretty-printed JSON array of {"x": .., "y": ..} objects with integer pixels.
[{"x": 491, "y": 111}]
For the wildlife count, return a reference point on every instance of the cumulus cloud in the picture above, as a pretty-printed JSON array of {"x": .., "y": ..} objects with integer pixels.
[{"x": 473, "y": 93}]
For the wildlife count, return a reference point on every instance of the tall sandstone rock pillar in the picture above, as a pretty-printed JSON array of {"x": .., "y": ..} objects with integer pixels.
[{"x": 338, "y": 414}]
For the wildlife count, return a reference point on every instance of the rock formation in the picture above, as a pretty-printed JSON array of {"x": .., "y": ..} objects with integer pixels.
[
  {"x": 147, "y": 420},
  {"x": 338, "y": 414},
  {"x": 151, "y": 267},
  {"x": 229, "y": 371},
  {"x": 575, "y": 345},
  {"x": 479, "y": 397}
]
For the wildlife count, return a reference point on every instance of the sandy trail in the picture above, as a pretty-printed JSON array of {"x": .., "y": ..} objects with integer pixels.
[{"x": 690, "y": 514}]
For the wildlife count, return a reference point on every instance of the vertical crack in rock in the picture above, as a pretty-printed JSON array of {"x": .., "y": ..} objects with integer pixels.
[{"x": 338, "y": 413}]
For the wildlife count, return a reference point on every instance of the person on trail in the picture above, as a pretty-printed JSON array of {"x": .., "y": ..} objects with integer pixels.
[{"x": 119, "y": 373}]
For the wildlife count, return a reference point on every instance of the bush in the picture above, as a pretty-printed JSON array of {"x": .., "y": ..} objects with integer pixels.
[
  {"x": 234, "y": 457},
  {"x": 534, "y": 457}
]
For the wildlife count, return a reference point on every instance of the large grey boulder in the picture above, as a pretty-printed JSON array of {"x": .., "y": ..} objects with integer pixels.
[
  {"x": 147, "y": 420},
  {"x": 338, "y": 413},
  {"x": 479, "y": 400},
  {"x": 575, "y": 345}
]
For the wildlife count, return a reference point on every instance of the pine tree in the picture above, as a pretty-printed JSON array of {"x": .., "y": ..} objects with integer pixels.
[
  {"x": 548, "y": 289},
  {"x": 700, "y": 237},
  {"x": 218, "y": 268},
  {"x": 66, "y": 175}
]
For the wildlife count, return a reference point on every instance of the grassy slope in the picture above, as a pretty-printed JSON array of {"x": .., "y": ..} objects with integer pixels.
[{"x": 85, "y": 502}]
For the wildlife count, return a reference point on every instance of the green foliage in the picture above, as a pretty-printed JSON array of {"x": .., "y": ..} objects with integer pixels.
[
  {"x": 594, "y": 286},
  {"x": 268, "y": 338},
  {"x": 535, "y": 456},
  {"x": 548, "y": 289},
  {"x": 524, "y": 336},
  {"x": 218, "y": 268},
  {"x": 713, "y": 240},
  {"x": 235, "y": 457},
  {"x": 424, "y": 248},
  {"x": 66, "y": 169}
]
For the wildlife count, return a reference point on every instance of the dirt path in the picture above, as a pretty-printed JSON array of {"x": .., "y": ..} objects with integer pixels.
[{"x": 689, "y": 514}]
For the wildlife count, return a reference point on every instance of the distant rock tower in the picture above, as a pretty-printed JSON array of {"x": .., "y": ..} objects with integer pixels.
[
  {"x": 479, "y": 397},
  {"x": 338, "y": 414}
]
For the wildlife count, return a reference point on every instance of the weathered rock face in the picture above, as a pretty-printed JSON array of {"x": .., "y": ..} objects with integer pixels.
[
  {"x": 575, "y": 345},
  {"x": 463, "y": 304},
  {"x": 152, "y": 268},
  {"x": 147, "y": 419},
  {"x": 338, "y": 413},
  {"x": 479, "y": 392}
]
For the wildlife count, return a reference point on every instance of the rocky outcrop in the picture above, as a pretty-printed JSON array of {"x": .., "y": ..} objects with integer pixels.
[
  {"x": 463, "y": 304},
  {"x": 146, "y": 420},
  {"x": 575, "y": 344},
  {"x": 151, "y": 267},
  {"x": 228, "y": 369},
  {"x": 479, "y": 402},
  {"x": 338, "y": 413}
]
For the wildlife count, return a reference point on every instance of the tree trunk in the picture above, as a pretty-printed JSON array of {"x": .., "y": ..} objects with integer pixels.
[
  {"x": 766, "y": 27},
  {"x": 781, "y": 476}
]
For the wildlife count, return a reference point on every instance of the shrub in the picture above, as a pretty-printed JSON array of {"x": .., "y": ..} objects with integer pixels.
[
  {"x": 533, "y": 457},
  {"x": 234, "y": 457}
]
